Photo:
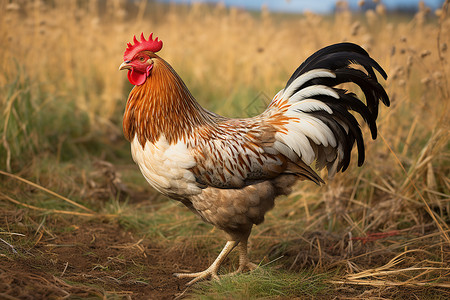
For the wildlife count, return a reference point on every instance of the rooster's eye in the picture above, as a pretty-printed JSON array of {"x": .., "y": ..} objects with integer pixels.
[{"x": 142, "y": 58}]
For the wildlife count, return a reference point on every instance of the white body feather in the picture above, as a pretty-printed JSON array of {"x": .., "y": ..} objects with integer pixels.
[{"x": 166, "y": 167}]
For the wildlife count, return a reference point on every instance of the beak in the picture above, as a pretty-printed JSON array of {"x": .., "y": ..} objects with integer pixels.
[{"x": 125, "y": 65}]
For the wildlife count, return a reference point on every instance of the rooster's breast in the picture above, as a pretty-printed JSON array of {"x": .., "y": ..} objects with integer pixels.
[{"x": 166, "y": 167}]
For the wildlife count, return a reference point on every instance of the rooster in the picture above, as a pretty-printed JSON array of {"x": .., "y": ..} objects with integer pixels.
[{"x": 229, "y": 171}]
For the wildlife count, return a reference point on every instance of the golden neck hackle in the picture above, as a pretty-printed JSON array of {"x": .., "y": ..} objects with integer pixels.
[{"x": 162, "y": 106}]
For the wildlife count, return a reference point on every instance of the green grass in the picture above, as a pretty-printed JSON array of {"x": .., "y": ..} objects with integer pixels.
[
  {"x": 264, "y": 283},
  {"x": 30, "y": 112}
]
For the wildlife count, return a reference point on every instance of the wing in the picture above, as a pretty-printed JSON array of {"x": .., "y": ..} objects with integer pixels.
[{"x": 239, "y": 152}]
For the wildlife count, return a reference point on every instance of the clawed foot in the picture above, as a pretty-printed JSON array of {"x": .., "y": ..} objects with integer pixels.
[
  {"x": 198, "y": 276},
  {"x": 246, "y": 266},
  {"x": 210, "y": 272}
]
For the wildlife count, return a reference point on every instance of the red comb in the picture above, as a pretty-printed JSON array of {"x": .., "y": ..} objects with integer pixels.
[{"x": 150, "y": 45}]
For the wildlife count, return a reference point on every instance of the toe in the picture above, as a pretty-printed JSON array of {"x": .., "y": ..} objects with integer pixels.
[
  {"x": 251, "y": 266},
  {"x": 198, "y": 276},
  {"x": 186, "y": 275}
]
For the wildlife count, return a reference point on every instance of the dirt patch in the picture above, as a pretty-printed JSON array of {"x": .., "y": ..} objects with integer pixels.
[
  {"x": 95, "y": 260},
  {"x": 71, "y": 257}
]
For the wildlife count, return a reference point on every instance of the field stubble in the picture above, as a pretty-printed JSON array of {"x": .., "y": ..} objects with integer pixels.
[{"x": 68, "y": 186}]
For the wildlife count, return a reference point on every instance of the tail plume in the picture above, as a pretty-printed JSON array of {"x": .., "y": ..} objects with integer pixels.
[{"x": 313, "y": 98}]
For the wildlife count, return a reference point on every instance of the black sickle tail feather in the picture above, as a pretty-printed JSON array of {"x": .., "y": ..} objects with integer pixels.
[
  {"x": 337, "y": 56},
  {"x": 338, "y": 59}
]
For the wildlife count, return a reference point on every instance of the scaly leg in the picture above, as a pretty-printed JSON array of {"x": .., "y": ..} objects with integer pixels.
[
  {"x": 212, "y": 270},
  {"x": 244, "y": 262}
]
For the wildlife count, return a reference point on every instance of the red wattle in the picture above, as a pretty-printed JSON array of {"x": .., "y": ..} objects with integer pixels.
[{"x": 136, "y": 78}]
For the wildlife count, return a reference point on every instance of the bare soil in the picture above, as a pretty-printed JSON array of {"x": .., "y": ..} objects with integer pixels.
[
  {"x": 57, "y": 256},
  {"x": 94, "y": 259}
]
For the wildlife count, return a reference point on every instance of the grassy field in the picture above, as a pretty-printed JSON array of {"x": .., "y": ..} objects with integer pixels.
[{"x": 78, "y": 220}]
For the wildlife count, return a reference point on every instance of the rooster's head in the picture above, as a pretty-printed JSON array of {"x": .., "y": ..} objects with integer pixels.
[{"x": 138, "y": 58}]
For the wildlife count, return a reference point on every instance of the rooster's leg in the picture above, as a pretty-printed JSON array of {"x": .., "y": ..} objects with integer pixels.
[
  {"x": 212, "y": 270},
  {"x": 244, "y": 262}
]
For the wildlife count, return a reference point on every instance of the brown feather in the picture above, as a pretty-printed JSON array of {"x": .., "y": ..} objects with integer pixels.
[{"x": 162, "y": 106}]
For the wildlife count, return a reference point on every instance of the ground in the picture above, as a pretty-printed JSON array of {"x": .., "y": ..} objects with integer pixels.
[
  {"x": 76, "y": 257},
  {"x": 137, "y": 239},
  {"x": 94, "y": 259}
]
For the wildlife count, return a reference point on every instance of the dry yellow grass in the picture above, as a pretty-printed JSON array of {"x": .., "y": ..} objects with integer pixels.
[{"x": 65, "y": 54}]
